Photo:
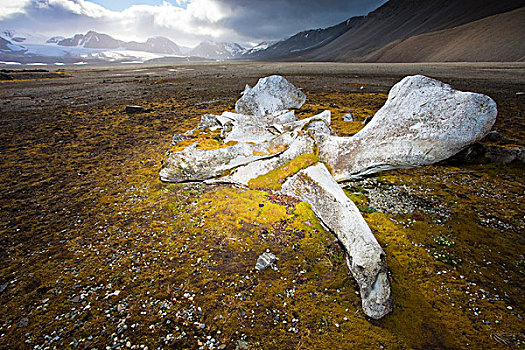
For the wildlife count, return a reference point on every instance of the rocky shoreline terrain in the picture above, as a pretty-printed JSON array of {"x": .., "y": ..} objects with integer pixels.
[{"x": 99, "y": 253}]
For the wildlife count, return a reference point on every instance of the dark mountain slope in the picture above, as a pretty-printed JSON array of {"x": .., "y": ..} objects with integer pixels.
[
  {"x": 496, "y": 38},
  {"x": 4, "y": 44},
  {"x": 401, "y": 19},
  {"x": 306, "y": 40}
]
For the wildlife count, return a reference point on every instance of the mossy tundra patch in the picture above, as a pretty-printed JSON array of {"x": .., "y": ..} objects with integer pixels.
[{"x": 99, "y": 253}]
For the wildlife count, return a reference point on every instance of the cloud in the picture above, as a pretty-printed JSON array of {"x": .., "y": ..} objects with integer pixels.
[
  {"x": 274, "y": 19},
  {"x": 187, "y": 22}
]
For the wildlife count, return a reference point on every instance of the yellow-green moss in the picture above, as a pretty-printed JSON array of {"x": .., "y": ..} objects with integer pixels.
[
  {"x": 206, "y": 141},
  {"x": 235, "y": 208},
  {"x": 274, "y": 179},
  {"x": 361, "y": 106}
]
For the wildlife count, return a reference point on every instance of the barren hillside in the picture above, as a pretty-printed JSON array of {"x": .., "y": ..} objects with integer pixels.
[
  {"x": 403, "y": 19},
  {"x": 496, "y": 38}
]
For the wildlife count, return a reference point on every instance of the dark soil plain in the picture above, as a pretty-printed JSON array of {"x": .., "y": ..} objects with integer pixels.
[{"x": 97, "y": 252}]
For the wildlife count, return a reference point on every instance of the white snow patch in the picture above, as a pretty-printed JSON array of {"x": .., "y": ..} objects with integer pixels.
[
  {"x": 125, "y": 54},
  {"x": 58, "y": 51}
]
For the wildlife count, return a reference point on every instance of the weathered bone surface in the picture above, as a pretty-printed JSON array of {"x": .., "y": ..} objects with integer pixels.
[
  {"x": 304, "y": 143},
  {"x": 423, "y": 121},
  {"x": 269, "y": 95},
  {"x": 273, "y": 140},
  {"x": 366, "y": 259}
]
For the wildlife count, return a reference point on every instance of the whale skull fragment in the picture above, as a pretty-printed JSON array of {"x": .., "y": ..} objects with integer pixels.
[{"x": 423, "y": 121}]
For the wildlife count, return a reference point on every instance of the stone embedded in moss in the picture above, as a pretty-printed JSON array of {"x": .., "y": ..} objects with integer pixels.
[{"x": 265, "y": 260}]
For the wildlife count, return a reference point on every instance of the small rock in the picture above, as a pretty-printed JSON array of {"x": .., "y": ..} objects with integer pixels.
[
  {"x": 265, "y": 260},
  {"x": 115, "y": 293},
  {"x": 479, "y": 153},
  {"x": 348, "y": 117},
  {"x": 367, "y": 120},
  {"x": 241, "y": 344},
  {"x": 497, "y": 137},
  {"x": 178, "y": 138},
  {"x": 3, "y": 287},
  {"x": 76, "y": 299},
  {"x": 136, "y": 109},
  {"x": 23, "y": 322}
]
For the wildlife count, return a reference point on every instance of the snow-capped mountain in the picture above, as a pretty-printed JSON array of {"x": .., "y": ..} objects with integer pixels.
[
  {"x": 8, "y": 46},
  {"x": 98, "y": 48},
  {"x": 22, "y": 37},
  {"x": 156, "y": 45},
  {"x": 92, "y": 40},
  {"x": 261, "y": 46},
  {"x": 302, "y": 41},
  {"x": 217, "y": 51},
  {"x": 54, "y": 40},
  {"x": 5, "y": 44}
]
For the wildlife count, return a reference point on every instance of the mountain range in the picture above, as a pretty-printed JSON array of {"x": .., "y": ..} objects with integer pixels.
[
  {"x": 94, "y": 40},
  {"x": 94, "y": 47},
  {"x": 398, "y": 31}
]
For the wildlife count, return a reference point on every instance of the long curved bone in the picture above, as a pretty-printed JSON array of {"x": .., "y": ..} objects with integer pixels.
[{"x": 366, "y": 259}]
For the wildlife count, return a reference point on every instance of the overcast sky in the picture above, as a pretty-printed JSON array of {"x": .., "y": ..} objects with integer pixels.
[{"x": 187, "y": 22}]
